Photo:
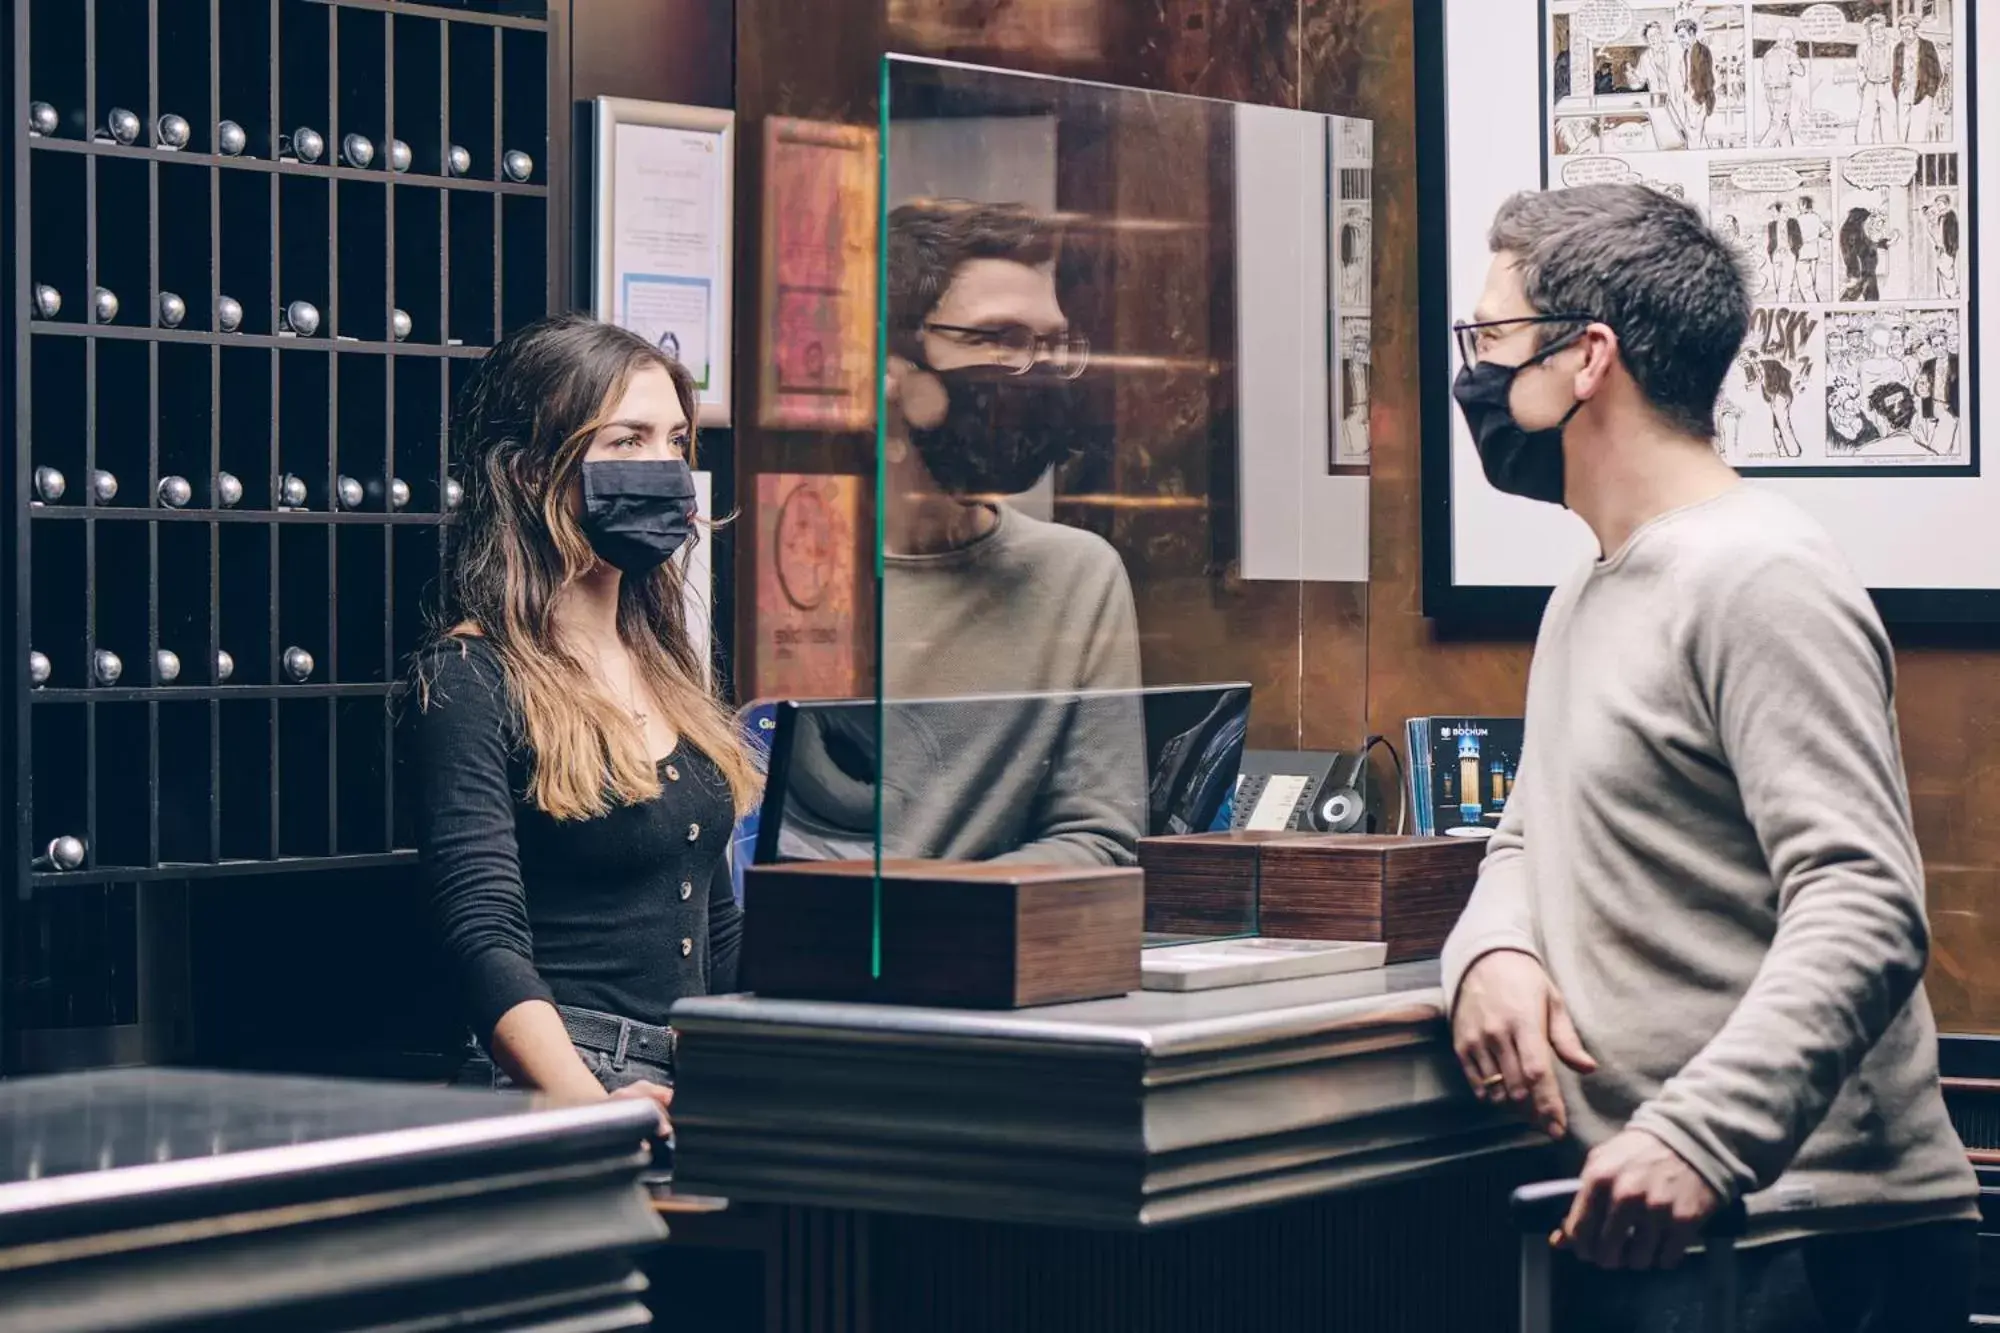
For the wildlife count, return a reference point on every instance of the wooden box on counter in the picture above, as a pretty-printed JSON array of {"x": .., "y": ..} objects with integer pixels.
[
  {"x": 1404, "y": 892},
  {"x": 954, "y": 934}
]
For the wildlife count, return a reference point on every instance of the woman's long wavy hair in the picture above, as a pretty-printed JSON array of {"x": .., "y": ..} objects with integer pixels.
[{"x": 523, "y": 426}]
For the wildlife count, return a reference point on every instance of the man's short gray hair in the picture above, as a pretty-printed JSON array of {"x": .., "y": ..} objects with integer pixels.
[{"x": 1645, "y": 264}]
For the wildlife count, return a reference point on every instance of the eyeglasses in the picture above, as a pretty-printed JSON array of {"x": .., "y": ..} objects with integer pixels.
[
  {"x": 1475, "y": 340},
  {"x": 1020, "y": 349}
]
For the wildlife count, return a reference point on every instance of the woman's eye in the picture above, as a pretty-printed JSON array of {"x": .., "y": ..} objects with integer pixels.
[{"x": 629, "y": 442}]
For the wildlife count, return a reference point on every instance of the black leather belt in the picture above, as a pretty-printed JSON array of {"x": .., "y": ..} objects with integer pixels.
[{"x": 620, "y": 1038}]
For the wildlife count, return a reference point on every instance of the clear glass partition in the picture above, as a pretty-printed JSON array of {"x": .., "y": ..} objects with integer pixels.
[{"x": 1121, "y": 511}]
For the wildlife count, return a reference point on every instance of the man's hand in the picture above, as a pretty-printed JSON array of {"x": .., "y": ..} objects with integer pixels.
[
  {"x": 1509, "y": 1029},
  {"x": 661, "y": 1096},
  {"x": 1640, "y": 1207}
]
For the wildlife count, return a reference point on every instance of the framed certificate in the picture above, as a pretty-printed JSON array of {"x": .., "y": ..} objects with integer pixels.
[{"x": 661, "y": 223}]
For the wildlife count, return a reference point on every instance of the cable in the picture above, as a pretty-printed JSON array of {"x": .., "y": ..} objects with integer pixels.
[{"x": 1402, "y": 782}]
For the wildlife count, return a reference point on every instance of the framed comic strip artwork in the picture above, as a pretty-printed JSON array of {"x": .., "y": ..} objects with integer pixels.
[{"x": 1837, "y": 144}]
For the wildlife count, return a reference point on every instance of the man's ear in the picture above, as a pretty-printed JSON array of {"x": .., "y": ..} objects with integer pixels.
[
  {"x": 1600, "y": 354},
  {"x": 918, "y": 394}
]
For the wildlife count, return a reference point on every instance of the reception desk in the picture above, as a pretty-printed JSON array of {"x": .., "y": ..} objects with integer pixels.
[
  {"x": 1300, "y": 1154},
  {"x": 156, "y": 1199}
]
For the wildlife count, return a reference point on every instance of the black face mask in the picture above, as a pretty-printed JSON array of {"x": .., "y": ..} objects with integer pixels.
[
  {"x": 637, "y": 514},
  {"x": 1000, "y": 432},
  {"x": 1520, "y": 462}
]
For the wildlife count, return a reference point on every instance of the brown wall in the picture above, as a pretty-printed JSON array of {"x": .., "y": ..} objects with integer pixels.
[{"x": 1370, "y": 658}]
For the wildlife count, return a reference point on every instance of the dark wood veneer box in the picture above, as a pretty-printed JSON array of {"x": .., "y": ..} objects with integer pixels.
[
  {"x": 1405, "y": 892},
  {"x": 976, "y": 936}
]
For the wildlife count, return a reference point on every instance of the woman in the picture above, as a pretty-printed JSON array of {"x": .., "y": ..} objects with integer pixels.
[{"x": 576, "y": 782}]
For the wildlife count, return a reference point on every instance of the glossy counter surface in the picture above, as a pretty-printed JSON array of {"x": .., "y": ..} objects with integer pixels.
[
  {"x": 160, "y": 1198},
  {"x": 1152, "y": 1108}
]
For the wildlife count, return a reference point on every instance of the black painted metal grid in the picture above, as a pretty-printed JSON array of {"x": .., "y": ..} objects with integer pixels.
[{"x": 259, "y": 772}]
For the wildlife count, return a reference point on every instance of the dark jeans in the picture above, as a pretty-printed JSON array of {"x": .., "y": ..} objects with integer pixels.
[{"x": 1909, "y": 1280}]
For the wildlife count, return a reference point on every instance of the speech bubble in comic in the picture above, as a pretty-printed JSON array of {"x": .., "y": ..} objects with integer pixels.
[
  {"x": 1766, "y": 178},
  {"x": 1602, "y": 21},
  {"x": 1597, "y": 171},
  {"x": 1873, "y": 168},
  {"x": 1823, "y": 23}
]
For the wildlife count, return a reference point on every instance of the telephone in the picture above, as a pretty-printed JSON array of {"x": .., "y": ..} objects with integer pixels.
[{"x": 1310, "y": 791}]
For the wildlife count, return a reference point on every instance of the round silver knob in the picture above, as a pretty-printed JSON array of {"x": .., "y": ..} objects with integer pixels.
[
  {"x": 302, "y": 318},
  {"x": 105, "y": 668},
  {"x": 225, "y": 665},
  {"x": 357, "y": 150},
  {"x": 228, "y": 490},
  {"x": 351, "y": 492},
  {"x": 50, "y": 484},
  {"x": 307, "y": 144},
  {"x": 167, "y": 666},
  {"x": 399, "y": 493},
  {"x": 48, "y": 301},
  {"x": 175, "y": 492},
  {"x": 104, "y": 305},
  {"x": 399, "y": 155},
  {"x": 123, "y": 124},
  {"x": 518, "y": 165},
  {"x": 64, "y": 853},
  {"x": 292, "y": 491},
  {"x": 172, "y": 310},
  {"x": 298, "y": 665},
  {"x": 399, "y": 325},
  {"x": 103, "y": 486},
  {"x": 230, "y": 139},
  {"x": 454, "y": 494},
  {"x": 39, "y": 670},
  {"x": 42, "y": 119},
  {"x": 228, "y": 314},
  {"x": 457, "y": 161},
  {"x": 173, "y": 131}
]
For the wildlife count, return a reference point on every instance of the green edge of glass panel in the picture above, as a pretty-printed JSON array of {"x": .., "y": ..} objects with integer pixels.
[{"x": 881, "y": 489}]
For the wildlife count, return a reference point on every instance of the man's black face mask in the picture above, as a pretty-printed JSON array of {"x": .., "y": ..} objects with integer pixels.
[
  {"x": 1516, "y": 460},
  {"x": 1001, "y": 430}
]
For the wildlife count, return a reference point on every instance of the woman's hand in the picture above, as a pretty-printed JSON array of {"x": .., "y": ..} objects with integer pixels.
[{"x": 661, "y": 1096}]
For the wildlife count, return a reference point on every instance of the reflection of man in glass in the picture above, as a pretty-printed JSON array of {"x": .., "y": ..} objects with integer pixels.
[{"x": 978, "y": 597}]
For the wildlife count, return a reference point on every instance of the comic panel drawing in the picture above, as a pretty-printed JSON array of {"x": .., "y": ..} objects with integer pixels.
[
  {"x": 1893, "y": 388},
  {"x": 1350, "y": 435},
  {"x": 1769, "y": 414},
  {"x": 1900, "y": 235},
  {"x": 1779, "y": 213},
  {"x": 1639, "y": 78},
  {"x": 1855, "y": 72},
  {"x": 1353, "y": 239}
]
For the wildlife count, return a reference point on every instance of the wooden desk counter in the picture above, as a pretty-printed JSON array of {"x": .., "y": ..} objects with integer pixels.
[{"x": 1150, "y": 1109}]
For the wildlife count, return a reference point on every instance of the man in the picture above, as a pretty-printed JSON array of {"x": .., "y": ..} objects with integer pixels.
[
  {"x": 979, "y": 598},
  {"x": 1892, "y": 414},
  {"x": 1876, "y": 57},
  {"x": 1944, "y": 244},
  {"x": 1782, "y": 70},
  {"x": 1918, "y": 76},
  {"x": 1696, "y": 944},
  {"x": 1812, "y": 252},
  {"x": 1696, "y": 84}
]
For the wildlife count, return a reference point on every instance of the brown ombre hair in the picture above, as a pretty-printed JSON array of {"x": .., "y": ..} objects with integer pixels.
[{"x": 524, "y": 423}]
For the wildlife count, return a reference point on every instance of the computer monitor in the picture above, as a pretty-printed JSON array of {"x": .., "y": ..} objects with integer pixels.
[{"x": 1194, "y": 738}]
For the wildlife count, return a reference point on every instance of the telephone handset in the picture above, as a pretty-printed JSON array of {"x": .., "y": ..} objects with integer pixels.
[{"x": 1308, "y": 791}]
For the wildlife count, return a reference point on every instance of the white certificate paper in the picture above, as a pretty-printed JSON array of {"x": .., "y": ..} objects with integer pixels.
[{"x": 669, "y": 247}]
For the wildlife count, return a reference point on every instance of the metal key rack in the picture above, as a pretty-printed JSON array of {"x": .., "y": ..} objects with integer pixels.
[{"x": 259, "y": 245}]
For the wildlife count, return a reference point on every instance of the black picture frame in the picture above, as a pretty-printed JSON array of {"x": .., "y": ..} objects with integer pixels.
[{"x": 1488, "y": 611}]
